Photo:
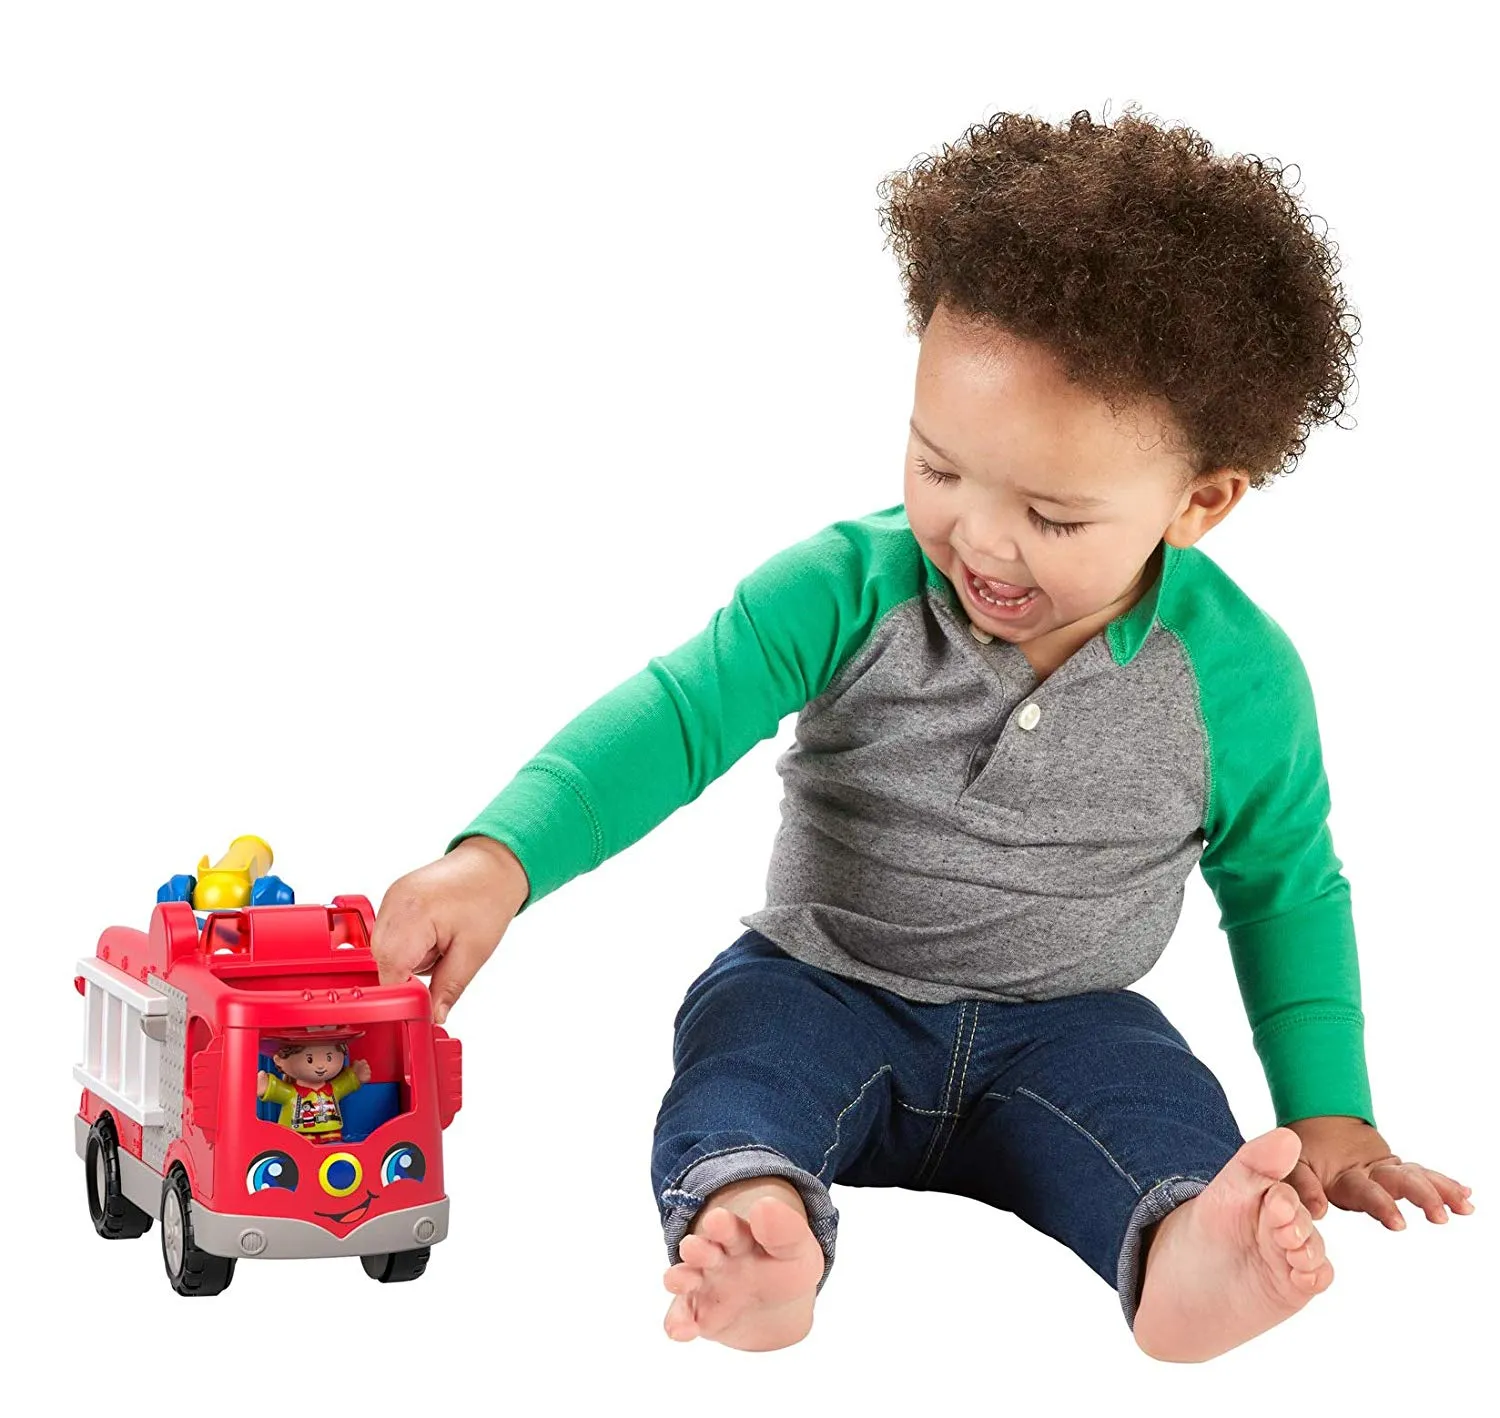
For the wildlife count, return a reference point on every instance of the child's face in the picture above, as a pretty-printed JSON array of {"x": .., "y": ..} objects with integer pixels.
[
  {"x": 317, "y": 1063},
  {"x": 1015, "y": 426}
]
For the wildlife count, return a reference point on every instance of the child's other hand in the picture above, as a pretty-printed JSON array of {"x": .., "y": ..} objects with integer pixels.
[
  {"x": 1346, "y": 1162},
  {"x": 448, "y": 917},
  {"x": 362, "y": 1070}
]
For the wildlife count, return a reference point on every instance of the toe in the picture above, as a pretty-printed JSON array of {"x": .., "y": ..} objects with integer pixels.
[
  {"x": 1295, "y": 1232},
  {"x": 1272, "y": 1154},
  {"x": 682, "y": 1279},
  {"x": 1308, "y": 1256},
  {"x": 1313, "y": 1282},
  {"x": 679, "y": 1322},
  {"x": 727, "y": 1230},
  {"x": 779, "y": 1228},
  {"x": 1282, "y": 1205},
  {"x": 700, "y": 1252}
]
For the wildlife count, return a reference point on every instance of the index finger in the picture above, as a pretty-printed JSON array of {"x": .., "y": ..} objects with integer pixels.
[
  {"x": 451, "y": 976},
  {"x": 402, "y": 938}
]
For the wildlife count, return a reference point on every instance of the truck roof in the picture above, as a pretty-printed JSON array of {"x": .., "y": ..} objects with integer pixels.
[{"x": 239, "y": 946}]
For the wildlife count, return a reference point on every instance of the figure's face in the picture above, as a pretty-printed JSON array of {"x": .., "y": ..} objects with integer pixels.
[
  {"x": 317, "y": 1063},
  {"x": 1024, "y": 448}
]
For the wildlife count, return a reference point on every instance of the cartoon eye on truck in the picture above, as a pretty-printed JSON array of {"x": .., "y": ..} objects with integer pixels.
[{"x": 249, "y": 1083}]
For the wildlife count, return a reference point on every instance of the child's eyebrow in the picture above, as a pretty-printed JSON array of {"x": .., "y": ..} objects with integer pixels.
[{"x": 1075, "y": 500}]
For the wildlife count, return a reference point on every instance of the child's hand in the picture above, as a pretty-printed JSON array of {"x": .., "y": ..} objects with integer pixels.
[
  {"x": 362, "y": 1070},
  {"x": 262, "y": 1082},
  {"x": 1346, "y": 1162},
  {"x": 448, "y": 917}
]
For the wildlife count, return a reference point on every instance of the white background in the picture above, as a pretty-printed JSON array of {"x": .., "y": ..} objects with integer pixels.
[{"x": 336, "y": 338}]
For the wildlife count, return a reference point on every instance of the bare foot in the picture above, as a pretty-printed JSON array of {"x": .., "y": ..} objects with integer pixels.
[
  {"x": 750, "y": 1268},
  {"x": 1240, "y": 1257}
]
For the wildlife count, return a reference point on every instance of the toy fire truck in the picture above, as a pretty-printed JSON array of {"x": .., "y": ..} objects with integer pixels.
[{"x": 248, "y": 1081}]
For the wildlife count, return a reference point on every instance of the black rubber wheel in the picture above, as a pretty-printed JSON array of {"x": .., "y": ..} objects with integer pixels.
[
  {"x": 114, "y": 1215},
  {"x": 396, "y": 1265},
  {"x": 191, "y": 1271}
]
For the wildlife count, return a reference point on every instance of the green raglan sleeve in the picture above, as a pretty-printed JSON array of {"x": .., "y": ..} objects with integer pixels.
[
  {"x": 1270, "y": 862},
  {"x": 656, "y": 741}
]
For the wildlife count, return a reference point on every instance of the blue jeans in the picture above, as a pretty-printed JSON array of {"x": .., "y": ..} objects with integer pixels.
[{"x": 1087, "y": 1116}]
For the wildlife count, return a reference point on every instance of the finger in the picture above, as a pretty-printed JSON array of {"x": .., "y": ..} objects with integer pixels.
[
  {"x": 451, "y": 976},
  {"x": 1409, "y": 1180},
  {"x": 403, "y": 935},
  {"x": 1305, "y": 1181},
  {"x": 1455, "y": 1194},
  {"x": 1354, "y": 1191}
]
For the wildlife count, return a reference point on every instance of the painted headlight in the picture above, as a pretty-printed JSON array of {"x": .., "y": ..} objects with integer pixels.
[
  {"x": 340, "y": 1173},
  {"x": 271, "y": 1169},
  {"x": 403, "y": 1163}
]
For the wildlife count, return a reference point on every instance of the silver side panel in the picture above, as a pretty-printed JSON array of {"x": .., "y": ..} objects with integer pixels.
[{"x": 156, "y": 1140}]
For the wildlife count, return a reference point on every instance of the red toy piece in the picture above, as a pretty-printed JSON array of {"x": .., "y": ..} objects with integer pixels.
[{"x": 181, "y": 1036}]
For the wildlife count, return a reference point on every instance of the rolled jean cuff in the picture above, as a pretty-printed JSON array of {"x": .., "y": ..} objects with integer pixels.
[
  {"x": 682, "y": 1198},
  {"x": 1163, "y": 1198}
]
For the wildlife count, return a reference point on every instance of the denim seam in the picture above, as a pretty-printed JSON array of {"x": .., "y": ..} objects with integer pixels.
[
  {"x": 838, "y": 1121},
  {"x": 1052, "y": 1108},
  {"x": 926, "y": 1112},
  {"x": 958, "y": 1112},
  {"x": 947, "y": 1085},
  {"x": 718, "y": 1152}
]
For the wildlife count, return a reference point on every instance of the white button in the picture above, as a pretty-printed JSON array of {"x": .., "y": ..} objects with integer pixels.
[
  {"x": 1029, "y": 716},
  {"x": 982, "y": 636}
]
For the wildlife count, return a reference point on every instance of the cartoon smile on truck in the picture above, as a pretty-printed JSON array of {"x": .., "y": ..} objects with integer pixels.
[{"x": 249, "y": 1082}]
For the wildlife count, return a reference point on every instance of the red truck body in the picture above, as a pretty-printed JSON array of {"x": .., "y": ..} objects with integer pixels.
[{"x": 181, "y": 1022}]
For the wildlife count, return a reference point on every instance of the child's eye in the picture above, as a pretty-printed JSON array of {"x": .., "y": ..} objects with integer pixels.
[
  {"x": 1060, "y": 529},
  {"x": 932, "y": 475}
]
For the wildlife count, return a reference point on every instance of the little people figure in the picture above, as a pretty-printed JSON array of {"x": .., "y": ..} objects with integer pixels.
[{"x": 317, "y": 1073}]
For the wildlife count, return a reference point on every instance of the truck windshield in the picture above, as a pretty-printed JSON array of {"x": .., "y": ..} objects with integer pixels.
[{"x": 333, "y": 1084}]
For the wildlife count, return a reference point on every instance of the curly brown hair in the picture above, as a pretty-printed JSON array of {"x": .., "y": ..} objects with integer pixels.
[{"x": 1146, "y": 266}]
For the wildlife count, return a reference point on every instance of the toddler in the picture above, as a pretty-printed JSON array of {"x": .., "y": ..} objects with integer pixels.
[{"x": 1027, "y": 703}]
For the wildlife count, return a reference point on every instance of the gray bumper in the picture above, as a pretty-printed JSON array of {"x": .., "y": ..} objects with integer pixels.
[{"x": 279, "y": 1237}]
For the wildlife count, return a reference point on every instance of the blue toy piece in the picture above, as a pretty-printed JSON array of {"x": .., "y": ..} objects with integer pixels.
[
  {"x": 180, "y": 888},
  {"x": 271, "y": 891}
]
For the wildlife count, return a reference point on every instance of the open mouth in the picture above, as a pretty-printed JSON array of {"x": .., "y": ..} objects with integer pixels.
[
  {"x": 998, "y": 607},
  {"x": 354, "y": 1213}
]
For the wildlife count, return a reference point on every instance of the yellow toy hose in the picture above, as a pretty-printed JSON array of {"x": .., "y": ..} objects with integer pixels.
[{"x": 225, "y": 886}]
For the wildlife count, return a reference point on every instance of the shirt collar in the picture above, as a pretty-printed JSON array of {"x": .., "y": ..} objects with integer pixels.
[{"x": 1127, "y": 633}]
